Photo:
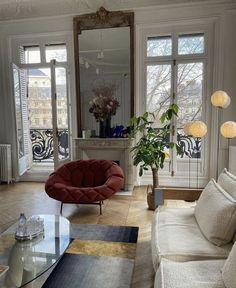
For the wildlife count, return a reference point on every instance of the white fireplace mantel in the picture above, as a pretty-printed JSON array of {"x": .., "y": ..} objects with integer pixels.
[{"x": 115, "y": 149}]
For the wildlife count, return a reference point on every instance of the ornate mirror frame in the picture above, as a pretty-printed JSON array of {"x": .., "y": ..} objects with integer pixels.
[{"x": 102, "y": 19}]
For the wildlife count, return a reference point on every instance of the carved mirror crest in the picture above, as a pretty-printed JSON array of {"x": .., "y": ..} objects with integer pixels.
[{"x": 104, "y": 61}]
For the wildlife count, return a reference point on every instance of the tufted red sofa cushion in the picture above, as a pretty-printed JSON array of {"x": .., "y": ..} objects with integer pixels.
[{"x": 85, "y": 181}]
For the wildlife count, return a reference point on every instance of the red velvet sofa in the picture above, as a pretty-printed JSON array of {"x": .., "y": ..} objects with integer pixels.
[{"x": 85, "y": 182}]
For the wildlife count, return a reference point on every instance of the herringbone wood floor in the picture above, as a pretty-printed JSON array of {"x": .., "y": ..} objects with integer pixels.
[{"x": 30, "y": 198}]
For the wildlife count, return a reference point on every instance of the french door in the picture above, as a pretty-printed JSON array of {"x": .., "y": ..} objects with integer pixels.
[
  {"x": 21, "y": 116},
  {"x": 176, "y": 65},
  {"x": 61, "y": 129},
  {"x": 42, "y": 116}
]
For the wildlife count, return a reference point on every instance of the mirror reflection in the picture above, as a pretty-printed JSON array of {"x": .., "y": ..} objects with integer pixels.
[{"x": 104, "y": 63}]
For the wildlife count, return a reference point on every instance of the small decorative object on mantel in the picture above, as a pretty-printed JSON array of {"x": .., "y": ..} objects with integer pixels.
[
  {"x": 104, "y": 106},
  {"x": 29, "y": 228}
]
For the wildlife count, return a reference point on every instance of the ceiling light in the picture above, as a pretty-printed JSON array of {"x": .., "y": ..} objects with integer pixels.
[
  {"x": 81, "y": 60},
  {"x": 100, "y": 55}
]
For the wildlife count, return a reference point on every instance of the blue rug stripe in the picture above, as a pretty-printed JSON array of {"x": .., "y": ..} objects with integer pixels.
[
  {"x": 91, "y": 271},
  {"x": 125, "y": 234},
  {"x": 83, "y": 271}
]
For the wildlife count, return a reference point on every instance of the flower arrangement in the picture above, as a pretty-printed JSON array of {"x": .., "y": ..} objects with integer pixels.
[{"x": 103, "y": 105}]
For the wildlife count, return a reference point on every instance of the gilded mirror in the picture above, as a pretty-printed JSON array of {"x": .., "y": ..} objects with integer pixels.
[{"x": 104, "y": 61}]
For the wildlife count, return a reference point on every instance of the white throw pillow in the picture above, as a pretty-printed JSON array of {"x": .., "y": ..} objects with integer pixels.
[
  {"x": 229, "y": 269},
  {"x": 215, "y": 213},
  {"x": 228, "y": 182}
]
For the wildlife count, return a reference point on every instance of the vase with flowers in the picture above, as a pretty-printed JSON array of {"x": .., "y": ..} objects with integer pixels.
[{"x": 104, "y": 106}]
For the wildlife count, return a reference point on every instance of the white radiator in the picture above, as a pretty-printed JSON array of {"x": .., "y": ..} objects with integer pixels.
[{"x": 5, "y": 163}]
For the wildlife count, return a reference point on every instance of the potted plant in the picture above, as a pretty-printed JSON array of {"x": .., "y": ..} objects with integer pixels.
[{"x": 152, "y": 148}]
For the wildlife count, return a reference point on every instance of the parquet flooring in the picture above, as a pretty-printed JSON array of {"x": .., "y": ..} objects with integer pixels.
[{"x": 30, "y": 198}]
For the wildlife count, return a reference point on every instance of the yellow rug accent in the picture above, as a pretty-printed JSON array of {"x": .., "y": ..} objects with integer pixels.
[{"x": 102, "y": 248}]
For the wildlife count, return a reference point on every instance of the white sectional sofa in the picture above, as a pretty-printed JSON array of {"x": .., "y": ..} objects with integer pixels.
[{"x": 190, "y": 246}]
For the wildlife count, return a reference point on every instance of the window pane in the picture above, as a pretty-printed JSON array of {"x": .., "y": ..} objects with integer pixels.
[
  {"x": 32, "y": 54},
  {"x": 57, "y": 52},
  {"x": 191, "y": 44},
  {"x": 189, "y": 100},
  {"x": 158, "y": 89},
  {"x": 39, "y": 99},
  {"x": 18, "y": 104},
  {"x": 62, "y": 116},
  {"x": 159, "y": 46}
]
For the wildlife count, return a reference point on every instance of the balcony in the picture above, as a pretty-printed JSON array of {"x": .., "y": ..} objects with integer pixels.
[{"x": 42, "y": 144}]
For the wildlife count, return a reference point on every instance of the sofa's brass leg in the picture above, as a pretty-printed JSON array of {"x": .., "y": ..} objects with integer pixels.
[{"x": 61, "y": 208}]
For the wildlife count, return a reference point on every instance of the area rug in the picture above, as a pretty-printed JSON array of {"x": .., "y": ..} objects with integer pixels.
[{"x": 98, "y": 256}]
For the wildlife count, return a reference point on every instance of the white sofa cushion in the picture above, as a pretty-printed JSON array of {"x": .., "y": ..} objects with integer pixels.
[
  {"x": 176, "y": 236},
  {"x": 215, "y": 213},
  {"x": 193, "y": 274},
  {"x": 234, "y": 239},
  {"x": 229, "y": 269},
  {"x": 228, "y": 182}
]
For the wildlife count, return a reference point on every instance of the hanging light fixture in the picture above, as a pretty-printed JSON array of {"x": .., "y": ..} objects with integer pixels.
[
  {"x": 81, "y": 60},
  {"x": 100, "y": 53},
  {"x": 220, "y": 99}
]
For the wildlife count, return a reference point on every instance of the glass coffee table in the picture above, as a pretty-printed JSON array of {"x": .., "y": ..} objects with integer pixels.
[{"x": 27, "y": 260}]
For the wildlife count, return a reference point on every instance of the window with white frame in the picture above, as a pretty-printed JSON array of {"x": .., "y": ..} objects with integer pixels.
[
  {"x": 35, "y": 54},
  {"x": 175, "y": 64}
]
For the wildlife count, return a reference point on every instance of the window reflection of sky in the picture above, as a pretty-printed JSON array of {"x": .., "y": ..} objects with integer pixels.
[{"x": 56, "y": 236}]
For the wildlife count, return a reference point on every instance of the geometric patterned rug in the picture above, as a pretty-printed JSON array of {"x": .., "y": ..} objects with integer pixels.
[{"x": 99, "y": 256}]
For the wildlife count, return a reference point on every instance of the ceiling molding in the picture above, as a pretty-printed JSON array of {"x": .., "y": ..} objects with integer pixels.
[{"x": 22, "y": 9}]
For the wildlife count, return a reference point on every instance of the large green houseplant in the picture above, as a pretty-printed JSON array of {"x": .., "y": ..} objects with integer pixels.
[{"x": 152, "y": 148}]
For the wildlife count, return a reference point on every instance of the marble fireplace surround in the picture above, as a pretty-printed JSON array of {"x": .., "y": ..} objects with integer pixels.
[{"x": 115, "y": 149}]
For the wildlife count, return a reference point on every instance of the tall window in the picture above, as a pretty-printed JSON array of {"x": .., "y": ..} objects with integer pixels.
[
  {"x": 175, "y": 73},
  {"x": 34, "y": 60}
]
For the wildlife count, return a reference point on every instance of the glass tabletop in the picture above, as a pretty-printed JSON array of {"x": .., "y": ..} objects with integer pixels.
[{"x": 29, "y": 259}]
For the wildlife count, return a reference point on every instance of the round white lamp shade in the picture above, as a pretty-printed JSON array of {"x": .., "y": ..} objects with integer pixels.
[
  {"x": 228, "y": 129},
  {"x": 186, "y": 128},
  {"x": 198, "y": 129},
  {"x": 220, "y": 99}
]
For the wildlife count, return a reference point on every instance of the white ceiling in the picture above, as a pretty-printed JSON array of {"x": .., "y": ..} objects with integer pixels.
[{"x": 18, "y": 9}]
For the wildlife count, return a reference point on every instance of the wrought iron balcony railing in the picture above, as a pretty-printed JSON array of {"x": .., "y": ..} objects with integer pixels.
[{"x": 42, "y": 144}]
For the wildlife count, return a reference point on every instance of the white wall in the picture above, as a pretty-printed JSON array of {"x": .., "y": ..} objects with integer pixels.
[
  {"x": 229, "y": 79},
  {"x": 221, "y": 15}
]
